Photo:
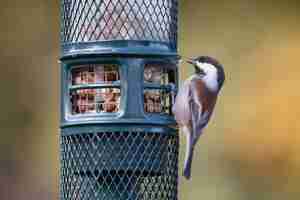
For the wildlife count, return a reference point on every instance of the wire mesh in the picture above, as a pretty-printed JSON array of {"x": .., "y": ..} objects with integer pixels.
[
  {"x": 131, "y": 165},
  {"x": 100, "y": 20},
  {"x": 94, "y": 100},
  {"x": 105, "y": 100},
  {"x": 159, "y": 73},
  {"x": 157, "y": 101},
  {"x": 94, "y": 73},
  {"x": 158, "y": 92}
]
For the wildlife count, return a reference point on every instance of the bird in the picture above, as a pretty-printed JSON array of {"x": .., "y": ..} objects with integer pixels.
[{"x": 195, "y": 102}]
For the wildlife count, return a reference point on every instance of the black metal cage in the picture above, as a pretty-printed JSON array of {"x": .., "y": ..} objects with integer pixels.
[
  {"x": 119, "y": 77},
  {"x": 103, "y": 20},
  {"x": 129, "y": 163}
]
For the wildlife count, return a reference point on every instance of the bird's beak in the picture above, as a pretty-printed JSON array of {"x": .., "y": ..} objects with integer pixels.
[
  {"x": 197, "y": 69},
  {"x": 191, "y": 61}
]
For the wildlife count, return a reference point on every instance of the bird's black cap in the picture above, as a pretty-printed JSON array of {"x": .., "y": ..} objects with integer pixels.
[{"x": 214, "y": 62}]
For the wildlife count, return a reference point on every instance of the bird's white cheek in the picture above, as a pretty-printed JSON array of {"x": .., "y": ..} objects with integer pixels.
[{"x": 211, "y": 82}]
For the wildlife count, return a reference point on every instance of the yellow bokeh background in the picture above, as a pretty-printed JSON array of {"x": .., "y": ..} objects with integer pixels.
[{"x": 251, "y": 148}]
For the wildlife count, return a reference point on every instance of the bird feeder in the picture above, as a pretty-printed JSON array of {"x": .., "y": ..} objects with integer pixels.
[{"x": 118, "y": 72}]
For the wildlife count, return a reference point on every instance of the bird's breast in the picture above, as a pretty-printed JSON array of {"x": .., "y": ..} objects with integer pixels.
[{"x": 205, "y": 96}]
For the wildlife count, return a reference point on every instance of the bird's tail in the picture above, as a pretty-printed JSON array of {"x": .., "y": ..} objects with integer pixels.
[{"x": 188, "y": 154}]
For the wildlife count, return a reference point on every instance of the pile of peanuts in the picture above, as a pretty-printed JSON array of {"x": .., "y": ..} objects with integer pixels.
[
  {"x": 152, "y": 102},
  {"x": 95, "y": 100}
]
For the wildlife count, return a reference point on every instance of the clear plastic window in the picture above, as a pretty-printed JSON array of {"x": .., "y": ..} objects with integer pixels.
[
  {"x": 159, "y": 74},
  {"x": 157, "y": 101},
  {"x": 95, "y": 89},
  {"x": 159, "y": 84},
  {"x": 89, "y": 74}
]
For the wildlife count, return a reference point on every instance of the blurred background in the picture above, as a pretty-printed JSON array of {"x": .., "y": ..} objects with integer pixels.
[{"x": 250, "y": 150}]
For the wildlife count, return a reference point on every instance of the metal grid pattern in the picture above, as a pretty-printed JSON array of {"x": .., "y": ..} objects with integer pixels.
[
  {"x": 87, "y": 101},
  {"x": 94, "y": 88},
  {"x": 131, "y": 165},
  {"x": 159, "y": 86},
  {"x": 158, "y": 73},
  {"x": 94, "y": 73},
  {"x": 100, "y": 20},
  {"x": 157, "y": 101}
]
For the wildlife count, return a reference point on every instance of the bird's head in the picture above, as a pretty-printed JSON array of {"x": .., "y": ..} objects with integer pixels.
[{"x": 210, "y": 71}]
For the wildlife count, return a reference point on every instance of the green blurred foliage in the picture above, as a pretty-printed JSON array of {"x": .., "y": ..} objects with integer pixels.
[{"x": 250, "y": 149}]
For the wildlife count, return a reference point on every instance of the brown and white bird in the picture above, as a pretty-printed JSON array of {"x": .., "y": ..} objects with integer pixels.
[{"x": 195, "y": 102}]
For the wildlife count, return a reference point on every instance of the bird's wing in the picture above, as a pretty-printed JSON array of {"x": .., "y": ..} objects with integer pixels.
[
  {"x": 181, "y": 107},
  {"x": 182, "y": 111},
  {"x": 202, "y": 106}
]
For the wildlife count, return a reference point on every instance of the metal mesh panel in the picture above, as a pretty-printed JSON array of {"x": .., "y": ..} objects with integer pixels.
[
  {"x": 157, "y": 101},
  {"x": 119, "y": 165},
  {"x": 98, "y": 20},
  {"x": 85, "y": 100},
  {"x": 158, "y": 81}
]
